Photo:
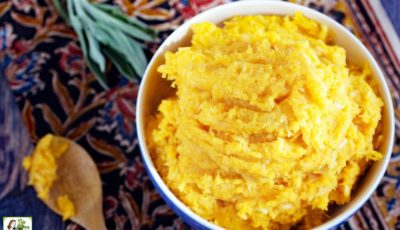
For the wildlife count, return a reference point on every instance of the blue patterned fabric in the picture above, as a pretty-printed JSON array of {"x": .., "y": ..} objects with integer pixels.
[
  {"x": 17, "y": 199},
  {"x": 392, "y": 8}
]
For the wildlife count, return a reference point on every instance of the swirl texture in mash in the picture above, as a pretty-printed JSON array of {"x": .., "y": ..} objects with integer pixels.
[{"x": 269, "y": 124}]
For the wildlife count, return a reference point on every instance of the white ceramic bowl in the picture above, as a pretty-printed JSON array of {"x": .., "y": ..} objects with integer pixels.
[{"x": 153, "y": 89}]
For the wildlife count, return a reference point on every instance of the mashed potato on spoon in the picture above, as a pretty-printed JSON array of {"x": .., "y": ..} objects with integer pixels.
[{"x": 270, "y": 124}]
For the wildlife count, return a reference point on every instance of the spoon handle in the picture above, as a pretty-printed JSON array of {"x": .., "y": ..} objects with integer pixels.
[{"x": 92, "y": 219}]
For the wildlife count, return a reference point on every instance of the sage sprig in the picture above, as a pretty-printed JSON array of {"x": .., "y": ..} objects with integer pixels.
[{"x": 104, "y": 31}]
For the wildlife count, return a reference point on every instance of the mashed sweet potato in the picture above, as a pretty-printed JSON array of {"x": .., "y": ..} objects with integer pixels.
[
  {"x": 42, "y": 164},
  {"x": 269, "y": 124},
  {"x": 42, "y": 168},
  {"x": 66, "y": 207}
]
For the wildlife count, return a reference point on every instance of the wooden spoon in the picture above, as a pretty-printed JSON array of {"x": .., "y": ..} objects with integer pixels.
[{"x": 78, "y": 177}]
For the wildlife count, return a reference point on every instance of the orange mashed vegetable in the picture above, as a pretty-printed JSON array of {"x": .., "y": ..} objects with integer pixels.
[
  {"x": 269, "y": 124},
  {"x": 66, "y": 207},
  {"x": 42, "y": 168}
]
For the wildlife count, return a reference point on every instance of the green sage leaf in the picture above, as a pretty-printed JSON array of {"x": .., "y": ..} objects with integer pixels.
[
  {"x": 120, "y": 63},
  {"x": 100, "y": 32},
  {"x": 117, "y": 13},
  {"x": 129, "y": 50},
  {"x": 75, "y": 23},
  {"x": 141, "y": 59},
  {"x": 102, "y": 17},
  {"x": 74, "y": 8},
  {"x": 60, "y": 9},
  {"x": 95, "y": 53},
  {"x": 105, "y": 31}
]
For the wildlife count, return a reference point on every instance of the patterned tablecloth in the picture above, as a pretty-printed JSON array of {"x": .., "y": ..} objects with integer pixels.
[{"x": 42, "y": 64}]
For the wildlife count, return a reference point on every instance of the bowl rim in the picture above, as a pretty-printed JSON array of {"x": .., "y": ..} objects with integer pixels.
[{"x": 178, "y": 206}]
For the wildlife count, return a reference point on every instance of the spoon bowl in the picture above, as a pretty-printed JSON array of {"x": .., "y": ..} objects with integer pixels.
[{"x": 78, "y": 178}]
